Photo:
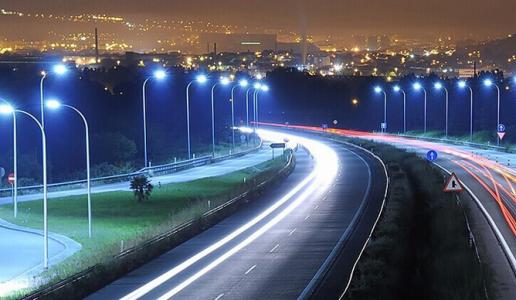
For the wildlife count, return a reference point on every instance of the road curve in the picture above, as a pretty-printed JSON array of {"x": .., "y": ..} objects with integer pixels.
[
  {"x": 489, "y": 178},
  {"x": 275, "y": 245}
]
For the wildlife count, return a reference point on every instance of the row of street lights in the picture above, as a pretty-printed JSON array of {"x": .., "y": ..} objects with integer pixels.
[
  {"x": 417, "y": 86},
  {"x": 201, "y": 79},
  {"x": 7, "y": 108}
]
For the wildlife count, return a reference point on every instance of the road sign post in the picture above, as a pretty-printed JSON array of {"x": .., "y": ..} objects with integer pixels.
[
  {"x": 431, "y": 155},
  {"x": 500, "y": 131},
  {"x": 275, "y": 146},
  {"x": 11, "y": 179}
]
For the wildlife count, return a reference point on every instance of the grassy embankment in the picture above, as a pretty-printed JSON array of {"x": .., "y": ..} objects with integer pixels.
[
  {"x": 480, "y": 137},
  {"x": 421, "y": 247},
  {"x": 120, "y": 221}
]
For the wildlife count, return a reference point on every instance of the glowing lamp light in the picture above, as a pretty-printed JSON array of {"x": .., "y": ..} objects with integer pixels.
[
  {"x": 488, "y": 82},
  {"x": 417, "y": 86},
  {"x": 265, "y": 88},
  {"x": 160, "y": 74},
  {"x": 438, "y": 85},
  {"x": 6, "y": 109},
  {"x": 377, "y": 89},
  {"x": 60, "y": 69},
  {"x": 243, "y": 83},
  {"x": 224, "y": 80},
  {"x": 462, "y": 84},
  {"x": 201, "y": 78},
  {"x": 53, "y": 104},
  {"x": 257, "y": 85},
  {"x": 396, "y": 88}
]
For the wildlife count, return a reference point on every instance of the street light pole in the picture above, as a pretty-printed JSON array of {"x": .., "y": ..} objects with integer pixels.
[
  {"x": 489, "y": 82},
  {"x": 233, "y": 116},
  {"x": 88, "y": 176},
  {"x": 385, "y": 110},
  {"x": 471, "y": 114},
  {"x": 397, "y": 88},
  {"x": 7, "y": 109},
  {"x": 247, "y": 105},
  {"x": 42, "y": 98},
  {"x": 213, "y": 119},
  {"x": 188, "y": 119},
  {"x": 144, "y": 105},
  {"x": 439, "y": 86}
]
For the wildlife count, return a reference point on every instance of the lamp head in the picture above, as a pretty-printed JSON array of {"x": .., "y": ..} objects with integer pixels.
[
  {"x": 417, "y": 86},
  {"x": 224, "y": 80},
  {"x": 201, "y": 78},
  {"x": 265, "y": 88},
  {"x": 243, "y": 83},
  {"x": 257, "y": 85},
  {"x": 396, "y": 88},
  {"x": 438, "y": 85},
  {"x": 488, "y": 82},
  {"x": 6, "y": 109},
  {"x": 53, "y": 104},
  {"x": 160, "y": 74},
  {"x": 462, "y": 84},
  {"x": 377, "y": 89},
  {"x": 60, "y": 69}
]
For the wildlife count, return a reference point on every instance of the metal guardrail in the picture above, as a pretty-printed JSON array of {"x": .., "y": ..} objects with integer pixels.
[{"x": 150, "y": 171}]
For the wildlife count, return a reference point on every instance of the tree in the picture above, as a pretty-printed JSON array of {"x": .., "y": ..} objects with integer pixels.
[{"x": 141, "y": 187}]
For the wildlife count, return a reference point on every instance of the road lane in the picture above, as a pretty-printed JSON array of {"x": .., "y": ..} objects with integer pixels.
[{"x": 279, "y": 255}]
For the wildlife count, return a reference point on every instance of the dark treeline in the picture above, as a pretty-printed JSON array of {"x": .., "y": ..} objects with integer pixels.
[{"x": 111, "y": 99}]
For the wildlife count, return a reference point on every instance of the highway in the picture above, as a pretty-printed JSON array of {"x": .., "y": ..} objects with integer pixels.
[
  {"x": 489, "y": 177},
  {"x": 278, "y": 245}
]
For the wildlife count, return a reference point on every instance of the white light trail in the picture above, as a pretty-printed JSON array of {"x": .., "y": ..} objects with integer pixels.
[{"x": 324, "y": 173}]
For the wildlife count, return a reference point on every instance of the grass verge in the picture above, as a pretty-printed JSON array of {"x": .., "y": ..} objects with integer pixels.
[
  {"x": 421, "y": 247},
  {"x": 119, "y": 222}
]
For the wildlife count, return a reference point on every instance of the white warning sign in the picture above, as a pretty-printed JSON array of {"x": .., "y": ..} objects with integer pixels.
[{"x": 453, "y": 184}]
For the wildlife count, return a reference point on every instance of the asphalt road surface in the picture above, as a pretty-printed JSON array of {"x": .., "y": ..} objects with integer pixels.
[{"x": 276, "y": 246}]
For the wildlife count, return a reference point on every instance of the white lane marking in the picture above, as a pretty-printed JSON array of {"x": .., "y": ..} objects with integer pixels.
[
  {"x": 250, "y": 269},
  {"x": 274, "y": 248},
  {"x": 292, "y": 232},
  {"x": 219, "y": 296},
  {"x": 318, "y": 176},
  {"x": 326, "y": 166},
  {"x": 306, "y": 218}
]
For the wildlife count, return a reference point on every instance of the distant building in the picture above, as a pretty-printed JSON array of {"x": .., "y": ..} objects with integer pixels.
[{"x": 236, "y": 42}]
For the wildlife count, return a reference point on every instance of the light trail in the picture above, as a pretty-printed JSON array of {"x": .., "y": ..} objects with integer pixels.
[
  {"x": 323, "y": 174},
  {"x": 508, "y": 175}
]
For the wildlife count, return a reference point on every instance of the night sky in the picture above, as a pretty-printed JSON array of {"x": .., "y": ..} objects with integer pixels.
[{"x": 461, "y": 18}]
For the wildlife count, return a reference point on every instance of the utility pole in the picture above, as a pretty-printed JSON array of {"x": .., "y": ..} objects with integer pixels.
[{"x": 96, "y": 46}]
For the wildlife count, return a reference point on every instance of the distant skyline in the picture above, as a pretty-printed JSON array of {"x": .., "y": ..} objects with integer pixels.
[{"x": 459, "y": 18}]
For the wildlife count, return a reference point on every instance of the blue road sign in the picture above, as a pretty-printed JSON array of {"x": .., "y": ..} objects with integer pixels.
[
  {"x": 431, "y": 155},
  {"x": 501, "y": 128}
]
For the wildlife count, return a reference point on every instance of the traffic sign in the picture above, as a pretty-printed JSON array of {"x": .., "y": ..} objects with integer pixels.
[
  {"x": 277, "y": 145},
  {"x": 11, "y": 178},
  {"x": 431, "y": 155},
  {"x": 453, "y": 184},
  {"x": 383, "y": 125},
  {"x": 335, "y": 122},
  {"x": 501, "y": 135},
  {"x": 501, "y": 128}
]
